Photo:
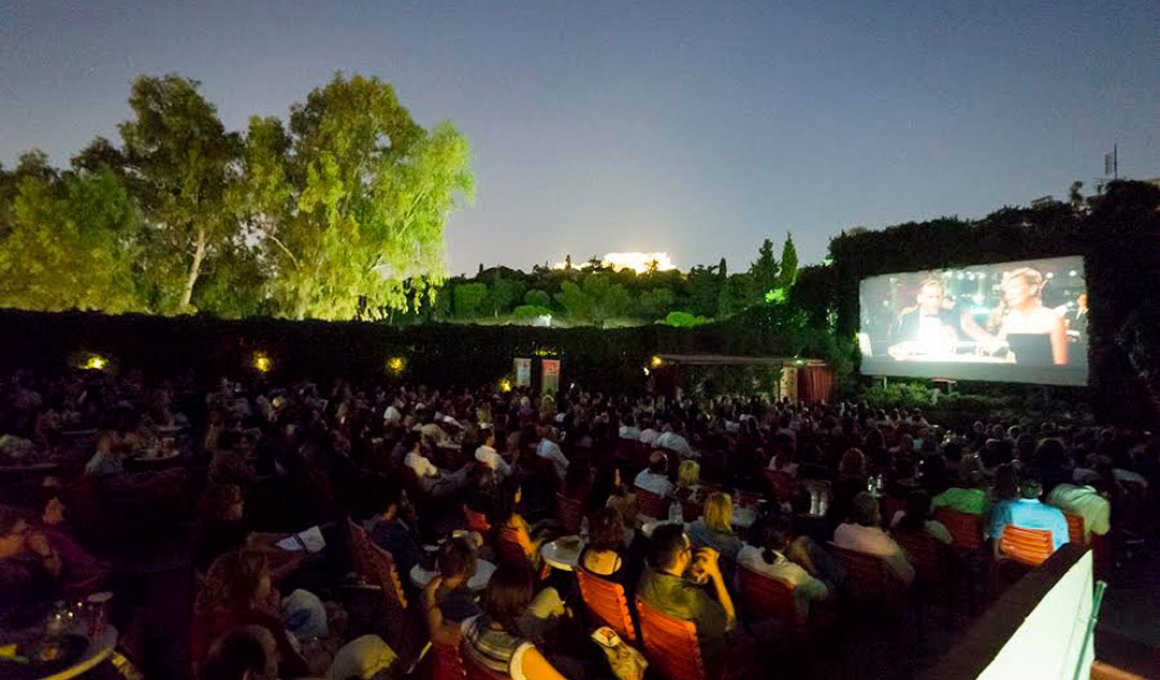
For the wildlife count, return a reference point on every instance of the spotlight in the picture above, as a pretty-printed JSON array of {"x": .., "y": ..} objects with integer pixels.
[
  {"x": 396, "y": 365},
  {"x": 262, "y": 362},
  {"x": 95, "y": 362},
  {"x": 657, "y": 361}
]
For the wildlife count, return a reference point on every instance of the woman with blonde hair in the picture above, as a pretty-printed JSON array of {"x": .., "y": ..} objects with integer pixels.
[
  {"x": 688, "y": 481},
  {"x": 715, "y": 529},
  {"x": 1034, "y": 333}
]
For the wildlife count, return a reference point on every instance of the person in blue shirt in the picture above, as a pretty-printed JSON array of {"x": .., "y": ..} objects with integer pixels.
[{"x": 1028, "y": 512}]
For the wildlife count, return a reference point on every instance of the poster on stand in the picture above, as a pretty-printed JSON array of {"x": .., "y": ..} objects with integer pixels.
[
  {"x": 550, "y": 370},
  {"x": 523, "y": 372}
]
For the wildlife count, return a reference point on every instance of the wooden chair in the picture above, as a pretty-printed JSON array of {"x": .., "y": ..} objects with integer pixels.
[
  {"x": 607, "y": 603},
  {"x": 651, "y": 504},
  {"x": 670, "y": 644},
  {"x": 570, "y": 513},
  {"x": 1030, "y": 547},
  {"x": 764, "y": 597},
  {"x": 1076, "y": 532}
]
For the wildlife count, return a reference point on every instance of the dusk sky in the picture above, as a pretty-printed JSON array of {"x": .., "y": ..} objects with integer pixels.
[{"x": 697, "y": 129}]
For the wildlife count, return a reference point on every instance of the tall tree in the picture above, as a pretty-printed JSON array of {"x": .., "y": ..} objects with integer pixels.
[
  {"x": 179, "y": 152},
  {"x": 789, "y": 264},
  {"x": 764, "y": 272},
  {"x": 70, "y": 243},
  {"x": 368, "y": 193}
]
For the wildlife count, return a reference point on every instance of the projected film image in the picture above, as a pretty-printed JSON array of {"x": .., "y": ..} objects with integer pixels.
[{"x": 1012, "y": 321}]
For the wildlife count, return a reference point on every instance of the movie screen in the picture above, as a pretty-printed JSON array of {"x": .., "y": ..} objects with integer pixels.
[{"x": 1010, "y": 322}]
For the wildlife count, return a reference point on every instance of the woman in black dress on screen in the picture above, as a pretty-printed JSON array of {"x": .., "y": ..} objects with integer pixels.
[{"x": 1034, "y": 333}]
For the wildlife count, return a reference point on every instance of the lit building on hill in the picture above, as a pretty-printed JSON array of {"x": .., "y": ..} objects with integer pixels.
[{"x": 638, "y": 262}]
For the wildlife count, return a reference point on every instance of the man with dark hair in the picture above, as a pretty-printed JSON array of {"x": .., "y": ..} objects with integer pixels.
[
  {"x": 245, "y": 653},
  {"x": 927, "y": 327},
  {"x": 864, "y": 534},
  {"x": 663, "y": 585},
  {"x": 392, "y": 533},
  {"x": 1028, "y": 512},
  {"x": 457, "y": 563}
]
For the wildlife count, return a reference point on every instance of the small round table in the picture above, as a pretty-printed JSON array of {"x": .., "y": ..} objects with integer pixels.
[
  {"x": 562, "y": 553},
  {"x": 100, "y": 647}
]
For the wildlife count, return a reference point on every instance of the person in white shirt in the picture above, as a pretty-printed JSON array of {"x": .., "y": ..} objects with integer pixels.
[
  {"x": 629, "y": 430},
  {"x": 487, "y": 456},
  {"x": 649, "y": 435},
  {"x": 435, "y": 482},
  {"x": 1087, "y": 502},
  {"x": 769, "y": 560},
  {"x": 867, "y": 536},
  {"x": 673, "y": 441},
  {"x": 394, "y": 414},
  {"x": 549, "y": 449},
  {"x": 654, "y": 478}
]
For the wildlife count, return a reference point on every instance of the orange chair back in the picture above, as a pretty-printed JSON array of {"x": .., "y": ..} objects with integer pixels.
[
  {"x": 382, "y": 571},
  {"x": 764, "y": 597},
  {"x": 513, "y": 547},
  {"x": 446, "y": 663},
  {"x": 868, "y": 579},
  {"x": 651, "y": 504},
  {"x": 606, "y": 602},
  {"x": 1026, "y": 546},
  {"x": 966, "y": 529},
  {"x": 926, "y": 553},
  {"x": 570, "y": 513},
  {"x": 476, "y": 521},
  {"x": 670, "y": 644},
  {"x": 1075, "y": 529},
  {"x": 782, "y": 484}
]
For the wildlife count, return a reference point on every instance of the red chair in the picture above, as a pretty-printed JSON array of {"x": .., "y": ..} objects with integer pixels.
[
  {"x": 764, "y": 598},
  {"x": 966, "y": 529},
  {"x": 892, "y": 506},
  {"x": 868, "y": 579},
  {"x": 446, "y": 663},
  {"x": 607, "y": 603},
  {"x": 690, "y": 510},
  {"x": 1031, "y": 547},
  {"x": 570, "y": 512},
  {"x": 1076, "y": 532},
  {"x": 513, "y": 548},
  {"x": 671, "y": 644},
  {"x": 378, "y": 570},
  {"x": 747, "y": 499},
  {"x": 476, "y": 521},
  {"x": 933, "y": 569},
  {"x": 651, "y": 504}
]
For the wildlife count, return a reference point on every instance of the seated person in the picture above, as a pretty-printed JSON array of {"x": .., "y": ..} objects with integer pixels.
[
  {"x": 655, "y": 477},
  {"x": 435, "y": 482},
  {"x": 688, "y": 481},
  {"x": 456, "y": 565},
  {"x": 578, "y": 481},
  {"x": 244, "y": 653},
  {"x": 107, "y": 461},
  {"x": 864, "y": 534},
  {"x": 769, "y": 558},
  {"x": 915, "y": 519},
  {"x": 549, "y": 450},
  {"x": 969, "y": 495},
  {"x": 715, "y": 529},
  {"x": 619, "y": 496},
  {"x": 496, "y": 639},
  {"x": 1090, "y": 501},
  {"x": 221, "y": 526},
  {"x": 39, "y": 564},
  {"x": 393, "y": 531},
  {"x": 238, "y": 592},
  {"x": 510, "y": 522},
  {"x": 927, "y": 327},
  {"x": 489, "y": 458},
  {"x": 606, "y": 553},
  {"x": 1028, "y": 512},
  {"x": 663, "y": 585}
]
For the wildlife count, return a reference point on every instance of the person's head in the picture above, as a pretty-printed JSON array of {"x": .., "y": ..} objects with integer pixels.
[
  {"x": 222, "y": 503},
  {"x": 1021, "y": 287},
  {"x": 1030, "y": 489},
  {"x": 238, "y": 579},
  {"x": 853, "y": 463},
  {"x": 391, "y": 501},
  {"x": 457, "y": 560},
  {"x": 508, "y": 498},
  {"x": 689, "y": 473},
  {"x": 657, "y": 463},
  {"x": 606, "y": 531},
  {"x": 245, "y": 653},
  {"x": 1082, "y": 302},
  {"x": 13, "y": 533},
  {"x": 971, "y": 471},
  {"x": 864, "y": 510},
  {"x": 719, "y": 512},
  {"x": 671, "y": 549},
  {"x": 775, "y": 536},
  {"x": 917, "y": 511},
  {"x": 930, "y": 296},
  {"x": 1006, "y": 482},
  {"x": 507, "y": 596}
]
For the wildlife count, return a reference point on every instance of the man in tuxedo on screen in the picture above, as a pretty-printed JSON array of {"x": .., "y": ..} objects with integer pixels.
[{"x": 926, "y": 328}]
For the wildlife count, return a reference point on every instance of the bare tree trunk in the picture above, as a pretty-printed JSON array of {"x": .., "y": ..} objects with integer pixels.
[{"x": 194, "y": 269}]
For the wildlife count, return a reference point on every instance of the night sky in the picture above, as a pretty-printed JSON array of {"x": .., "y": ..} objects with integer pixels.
[{"x": 696, "y": 129}]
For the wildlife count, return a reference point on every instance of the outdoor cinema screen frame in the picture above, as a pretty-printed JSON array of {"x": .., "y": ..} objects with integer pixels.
[{"x": 1023, "y": 321}]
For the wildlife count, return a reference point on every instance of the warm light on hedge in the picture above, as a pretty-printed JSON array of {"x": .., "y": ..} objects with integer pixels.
[
  {"x": 505, "y": 385},
  {"x": 95, "y": 362},
  {"x": 657, "y": 362},
  {"x": 396, "y": 364},
  {"x": 262, "y": 362}
]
